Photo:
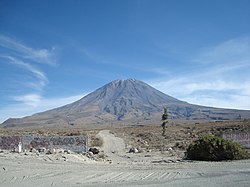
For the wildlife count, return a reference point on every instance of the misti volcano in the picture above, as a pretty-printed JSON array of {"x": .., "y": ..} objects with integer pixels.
[{"x": 124, "y": 102}]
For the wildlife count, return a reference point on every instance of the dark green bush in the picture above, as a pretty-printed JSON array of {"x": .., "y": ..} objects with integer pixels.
[{"x": 212, "y": 148}]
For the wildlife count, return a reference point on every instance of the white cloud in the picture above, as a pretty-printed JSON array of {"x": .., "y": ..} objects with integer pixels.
[
  {"x": 234, "y": 51},
  {"x": 31, "y": 99},
  {"x": 23, "y": 56},
  {"x": 41, "y": 81},
  {"x": 34, "y": 103},
  {"x": 23, "y": 51},
  {"x": 219, "y": 77},
  {"x": 34, "y": 78},
  {"x": 218, "y": 93}
]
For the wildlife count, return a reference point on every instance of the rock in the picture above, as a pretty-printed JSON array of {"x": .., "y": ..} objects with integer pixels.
[
  {"x": 169, "y": 149},
  {"x": 133, "y": 150},
  {"x": 110, "y": 161},
  {"x": 42, "y": 150},
  {"x": 94, "y": 150},
  {"x": 33, "y": 150},
  {"x": 89, "y": 154},
  {"x": 65, "y": 158},
  {"x": 61, "y": 151},
  {"x": 67, "y": 151},
  {"x": 51, "y": 151}
]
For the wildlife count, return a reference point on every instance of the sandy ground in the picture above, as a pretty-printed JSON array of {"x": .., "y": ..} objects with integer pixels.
[{"x": 118, "y": 169}]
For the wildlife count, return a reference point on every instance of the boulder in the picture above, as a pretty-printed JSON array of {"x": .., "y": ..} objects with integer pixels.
[
  {"x": 133, "y": 150},
  {"x": 169, "y": 149},
  {"x": 67, "y": 151},
  {"x": 42, "y": 150},
  {"x": 94, "y": 150},
  {"x": 51, "y": 151}
]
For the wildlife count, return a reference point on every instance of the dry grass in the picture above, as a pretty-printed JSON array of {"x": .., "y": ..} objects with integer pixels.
[
  {"x": 148, "y": 137},
  {"x": 178, "y": 136},
  {"x": 47, "y": 131},
  {"x": 95, "y": 141}
]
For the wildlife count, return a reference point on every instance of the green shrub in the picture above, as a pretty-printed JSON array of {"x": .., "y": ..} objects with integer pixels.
[{"x": 212, "y": 148}]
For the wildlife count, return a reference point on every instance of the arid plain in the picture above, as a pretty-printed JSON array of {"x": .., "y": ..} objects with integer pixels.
[{"x": 157, "y": 162}]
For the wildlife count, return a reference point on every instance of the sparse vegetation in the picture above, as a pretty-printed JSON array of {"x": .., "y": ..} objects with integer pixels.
[
  {"x": 102, "y": 156},
  {"x": 148, "y": 138},
  {"x": 96, "y": 141},
  {"x": 178, "y": 136},
  {"x": 213, "y": 148}
]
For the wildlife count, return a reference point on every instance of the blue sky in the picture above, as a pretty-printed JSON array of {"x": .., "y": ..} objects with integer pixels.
[{"x": 53, "y": 52}]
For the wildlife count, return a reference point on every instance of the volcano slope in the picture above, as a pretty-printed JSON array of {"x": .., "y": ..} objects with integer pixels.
[{"x": 123, "y": 102}]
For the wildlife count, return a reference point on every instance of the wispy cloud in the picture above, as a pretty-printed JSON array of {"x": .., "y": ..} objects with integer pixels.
[
  {"x": 23, "y": 51},
  {"x": 234, "y": 51},
  {"x": 29, "y": 59},
  {"x": 32, "y": 100},
  {"x": 219, "y": 76},
  {"x": 41, "y": 79}
]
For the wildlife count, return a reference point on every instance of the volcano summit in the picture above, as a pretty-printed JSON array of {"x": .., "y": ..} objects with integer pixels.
[{"x": 124, "y": 102}]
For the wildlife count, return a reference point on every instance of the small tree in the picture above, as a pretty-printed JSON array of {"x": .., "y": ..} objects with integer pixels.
[{"x": 164, "y": 118}]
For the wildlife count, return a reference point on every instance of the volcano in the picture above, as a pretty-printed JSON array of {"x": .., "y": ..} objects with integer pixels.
[{"x": 124, "y": 102}]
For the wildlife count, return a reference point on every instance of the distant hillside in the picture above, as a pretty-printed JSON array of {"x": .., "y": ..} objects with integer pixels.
[{"x": 125, "y": 102}]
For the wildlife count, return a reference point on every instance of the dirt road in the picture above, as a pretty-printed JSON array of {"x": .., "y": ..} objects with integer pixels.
[{"x": 113, "y": 147}]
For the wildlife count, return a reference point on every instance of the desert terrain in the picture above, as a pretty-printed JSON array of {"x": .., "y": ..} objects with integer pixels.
[{"x": 154, "y": 160}]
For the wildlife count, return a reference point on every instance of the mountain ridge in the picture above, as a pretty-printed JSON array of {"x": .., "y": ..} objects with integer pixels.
[{"x": 124, "y": 102}]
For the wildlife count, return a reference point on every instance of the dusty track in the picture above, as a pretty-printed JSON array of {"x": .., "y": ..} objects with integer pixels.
[{"x": 113, "y": 147}]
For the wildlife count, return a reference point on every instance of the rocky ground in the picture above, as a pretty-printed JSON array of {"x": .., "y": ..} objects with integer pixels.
[
  {"x": 177, "y": 137},
  {"x": 131, "y": 156}
]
